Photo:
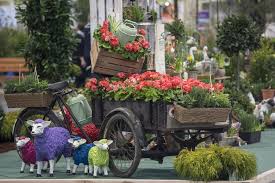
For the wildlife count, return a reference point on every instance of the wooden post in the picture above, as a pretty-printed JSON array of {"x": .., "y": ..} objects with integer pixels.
[{"x": 160, "y": 48}]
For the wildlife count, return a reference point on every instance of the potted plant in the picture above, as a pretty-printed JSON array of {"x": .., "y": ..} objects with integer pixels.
[
  {"x": 250, "y": 130},
  {"x": 269, "y": 92},
  {"x": 118, "y": 48},
  {"x": 191, "y": 65},
  {"x": 27, "y": 92}
]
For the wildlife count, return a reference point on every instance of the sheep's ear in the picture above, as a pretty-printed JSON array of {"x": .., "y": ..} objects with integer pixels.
[
  {"x": 30, "y": 122},
  {"x": 71, "y": 140},
  {"x": 46, "y": 123},
  {"x": 82, "y": 141},
  {"x": 16, "y": 139},
  {"x": 97, "y": 143},
  {"x": 27, "y": 139},
  {"x": 109, "y": 142}
]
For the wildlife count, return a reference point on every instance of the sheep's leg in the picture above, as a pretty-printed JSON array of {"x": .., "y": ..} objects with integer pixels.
[
  {"x": 100, "y": 171},
  {"x": 86, "y": 169},
  {"x": 22, "y": 167},
  {"x": 105, "y": 170},
  {"x": 45, "y": 166},
  {"x": 95, "y": 170},
  {"x": 51, "y": 167},
  {"x": 74, "y": 168},
  {"x": 31, "y": 168},
  {"x": 68, "y": 163},
  {"x": 90, "y": 169},
  {"x": 39, "y": 167}
]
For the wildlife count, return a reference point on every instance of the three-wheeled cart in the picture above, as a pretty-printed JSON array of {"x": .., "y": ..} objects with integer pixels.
[{"x": 142, "y": 129}]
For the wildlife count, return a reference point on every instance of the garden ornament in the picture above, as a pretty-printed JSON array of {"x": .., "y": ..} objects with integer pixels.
[
  {"x": 99, "y": 157},
  {"x": 80, "y": 153},
  {"x": 50, "y": 143},
  {"x": 264, "y": 108}
]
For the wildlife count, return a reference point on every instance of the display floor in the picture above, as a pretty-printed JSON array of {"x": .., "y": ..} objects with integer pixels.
[{"x": 148, "y": 169}]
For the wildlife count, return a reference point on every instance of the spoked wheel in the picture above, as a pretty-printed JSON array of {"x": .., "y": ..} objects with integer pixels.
[
  {"x": 21, "y": 128},
  {"x": 125, "y": 151}
]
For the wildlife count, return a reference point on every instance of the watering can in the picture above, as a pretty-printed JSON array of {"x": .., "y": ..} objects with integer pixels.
[
  {"x": 80, "y": 108},
  {"x": 126, "y": 32}
]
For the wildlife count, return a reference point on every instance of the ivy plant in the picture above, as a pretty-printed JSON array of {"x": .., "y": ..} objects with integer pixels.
[{"x": 51, "y": 41}]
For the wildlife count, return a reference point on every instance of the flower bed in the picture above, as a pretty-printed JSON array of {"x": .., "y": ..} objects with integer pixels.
[{"x": 153, "y": 86}]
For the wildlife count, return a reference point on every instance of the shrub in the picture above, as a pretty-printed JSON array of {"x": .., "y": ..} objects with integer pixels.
[
  {"x": 12, "y": 42},
  {"x": 249, "y": 122},
  {"x": 7, "y": 126},
  {"x": 51, "y": 42},
  {"x": 177, "y": 29},
  {"x": 216, "y": 163}
]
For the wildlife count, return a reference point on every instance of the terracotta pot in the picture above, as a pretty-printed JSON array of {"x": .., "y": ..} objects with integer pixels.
[
  {"x": 193, "y": 74},
  {"x": 268, "y": 93}
]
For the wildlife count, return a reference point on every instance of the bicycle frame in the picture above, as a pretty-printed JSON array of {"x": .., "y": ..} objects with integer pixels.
[{"x": 58, "y": 98}]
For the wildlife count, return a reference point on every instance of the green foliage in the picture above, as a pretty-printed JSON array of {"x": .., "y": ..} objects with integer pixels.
[
  {"x": 12, "y": 42},
  {"x": 263, "y": 63},
  {"x": 29, "y": 84},
  {"x": 2, "y": 115},
  {"x": 7, "y": 126},
  {"x": 256, "y": 90},
  {"x": 51, "y": 41},
  {"x": 82, "y": 10},
  {"x": 215, "y": 163},
  {"x": 237, "y": 34},
  {"x": 202, "y": 98},
  {"x": 249, "y": 122},
  {"x": 177, "y": 29},
  {"x": 239, "y": 98},
  {"x": 134, "y": 13},
  {"x": 232, "y": 132},
  {"x": 153, "y": 15}
]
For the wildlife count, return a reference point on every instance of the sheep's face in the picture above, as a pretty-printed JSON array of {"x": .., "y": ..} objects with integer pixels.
[
  {"x": 103, "y": 144},
  {"x": 76, "y": 142},
  {"x": 21, "y": 142},
  {"x": 38, "y": 126}
]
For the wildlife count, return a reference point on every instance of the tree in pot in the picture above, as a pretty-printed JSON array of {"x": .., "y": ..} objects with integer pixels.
[
  {"x": 51, "y": 41},
  {"x": 250, "y": 130},
  {"x": 236, "y": 35}
]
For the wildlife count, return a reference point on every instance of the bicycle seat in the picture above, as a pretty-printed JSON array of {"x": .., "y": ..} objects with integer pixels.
[{"x": 58, "y": 86}]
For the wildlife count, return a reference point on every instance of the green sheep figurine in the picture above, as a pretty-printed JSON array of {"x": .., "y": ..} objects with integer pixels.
[{"x": 99, "y": 157}]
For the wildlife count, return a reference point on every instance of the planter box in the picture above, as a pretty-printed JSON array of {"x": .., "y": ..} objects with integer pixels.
[
  {"x": 23, "y": 100},
  {"x": 268, "y": 93},
  {"x": 109, "y": 63},
  {"x": 251, "y": 137},
  {"x": 200, "y": 115}
]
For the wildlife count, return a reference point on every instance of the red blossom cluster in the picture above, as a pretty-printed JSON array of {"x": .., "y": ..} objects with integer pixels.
[
  {"x": 162, "y": 82},
  {"x": 108, "y": 36}
]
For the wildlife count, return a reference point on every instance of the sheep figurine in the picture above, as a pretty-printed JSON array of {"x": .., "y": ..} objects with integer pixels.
[
  {"x": 99, "y": 157},
  {"x": 80, "y": 153},
  {"x": 50, "y": 143},
  {"x": 27, "y": 150}
]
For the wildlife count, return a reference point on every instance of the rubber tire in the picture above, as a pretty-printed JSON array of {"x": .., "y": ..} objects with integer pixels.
[
  {"x": 137, "y": 156},
  {"x": 28, "y": 112}
]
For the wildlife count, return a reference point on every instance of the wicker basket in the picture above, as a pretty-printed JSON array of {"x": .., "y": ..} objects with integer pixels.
[
  {"x": 23, "y": 100},
  {"x": 200, "y": 115}
]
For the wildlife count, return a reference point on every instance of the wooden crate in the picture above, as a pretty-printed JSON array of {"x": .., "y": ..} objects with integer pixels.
[
  {"x": 200, "y": 115},
  {"x": 109, "y": 63},
  {"x": 23, "y": 100}
]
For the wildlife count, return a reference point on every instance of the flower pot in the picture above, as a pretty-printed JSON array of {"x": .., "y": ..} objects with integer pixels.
[
  {"x": 193, "y": 74},
  {"x": 268, "y": 93},
  {"x": 251, "y": 137},
  {"x": 220, "y": 73}
]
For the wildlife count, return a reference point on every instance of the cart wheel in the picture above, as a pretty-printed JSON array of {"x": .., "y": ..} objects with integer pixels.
[{"x": 125, "y": 151}]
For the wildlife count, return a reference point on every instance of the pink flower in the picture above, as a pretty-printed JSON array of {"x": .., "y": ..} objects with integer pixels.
[
  {"x": 106, "y": 24},
  {"x": 136, "y": 47},
  {"x": 121, "y": 75},
  {"x": 129, "y": 47}
]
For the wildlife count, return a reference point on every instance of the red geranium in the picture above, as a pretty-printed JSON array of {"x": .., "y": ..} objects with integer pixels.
[
  {"x": 114, "y": 42},
  {"x": 106, "y": 36},
  {"x": 121, "y": 75},
  {"x": 142, "y": 32},
  {"x": 106, "y": 24},
  {"x": 136, "y": 47},
  {"x": 145, "y": 44},
  {"x": 129, "y": 47}
]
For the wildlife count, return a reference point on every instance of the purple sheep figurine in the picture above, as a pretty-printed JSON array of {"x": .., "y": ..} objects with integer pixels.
[
  {"x": 27, "y": 150},
  {"x": 80, "y": 153},
  {"x": 50, "y": 143}
]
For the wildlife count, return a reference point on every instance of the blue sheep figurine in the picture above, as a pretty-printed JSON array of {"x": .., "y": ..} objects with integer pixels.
[
  {"x": 80, "y": 153},
  {"x": 50, "y": 143}
]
